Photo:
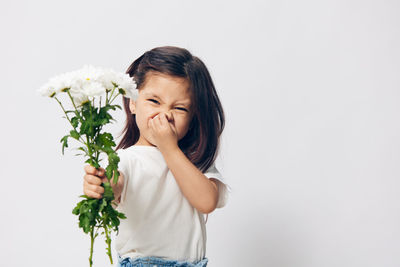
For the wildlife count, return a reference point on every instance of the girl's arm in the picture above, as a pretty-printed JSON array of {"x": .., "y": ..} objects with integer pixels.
[{"x": 199, "y": 190}]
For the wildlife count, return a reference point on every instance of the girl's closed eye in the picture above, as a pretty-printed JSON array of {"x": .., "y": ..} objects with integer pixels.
[
  {"x": 154, "y": 101},
  {"x": 182, "y": 109}
]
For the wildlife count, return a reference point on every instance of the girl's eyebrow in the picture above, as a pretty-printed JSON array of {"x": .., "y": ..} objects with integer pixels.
[{"x": 151, "y": 95}]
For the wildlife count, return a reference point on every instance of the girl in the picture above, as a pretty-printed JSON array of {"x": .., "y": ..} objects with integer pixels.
[{"x": 168, "y": 177}]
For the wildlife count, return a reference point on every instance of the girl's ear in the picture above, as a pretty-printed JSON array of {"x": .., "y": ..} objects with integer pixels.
[{"x": 132, "y": 106}]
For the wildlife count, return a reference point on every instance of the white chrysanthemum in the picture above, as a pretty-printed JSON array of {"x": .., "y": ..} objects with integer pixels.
[
  {"x": 47, "y": 90},
  {"x": 78, "y": 95},
  {"x": 88, "y": 72},
  {"x": 89, "y": 82},
  {"x": 107, "y": 79},
  {"x": 132, "y": 94},
  {"x": 92, "y": 89},
  {"x": 128, "y": 85},
  {"x": 56, "y": 84}
]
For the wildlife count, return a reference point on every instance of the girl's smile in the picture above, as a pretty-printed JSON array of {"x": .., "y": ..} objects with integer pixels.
[{"x": 162, "y": 94}]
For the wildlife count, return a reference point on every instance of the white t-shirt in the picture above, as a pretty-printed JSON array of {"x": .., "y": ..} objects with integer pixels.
[{"x": 160, "y": 220}]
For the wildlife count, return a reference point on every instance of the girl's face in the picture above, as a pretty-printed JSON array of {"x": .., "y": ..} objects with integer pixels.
[{"x": 162, "y": 93}]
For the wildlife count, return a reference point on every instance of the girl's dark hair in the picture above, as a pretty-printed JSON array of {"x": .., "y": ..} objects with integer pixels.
[{"x": 201, "y": 142}]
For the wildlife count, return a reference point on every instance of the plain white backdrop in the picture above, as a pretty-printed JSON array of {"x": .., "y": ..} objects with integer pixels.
[{"x": 311, "y": 147}]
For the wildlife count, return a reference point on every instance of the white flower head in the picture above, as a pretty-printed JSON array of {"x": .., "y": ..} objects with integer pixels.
[
  {"x": 127, "y": 85},
  {"x": 78, "y": 95},
  {"x": 93, "y": 89},
  {"x": 47, "y": 90},
  {"x": 56, "y": 84},
  {"x": 90, "y": 82}
]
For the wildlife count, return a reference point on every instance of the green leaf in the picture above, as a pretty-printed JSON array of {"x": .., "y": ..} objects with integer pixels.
[
  {"x": 106, "y": 140},
  {"x": 85, "y": 128},
  {"x": 108, "y": 107},
  {"x": 76, "y": 210},
  {"x": 113, "y": 159},
  {"x": 74, "y": 134},
  {"x": 84, "y": 223},
  {"x": 103, "y": 117},
  {"x": 116, "y": 176},
  {"x": 84, "y": 208},
  {"x": 107, "y": 150},
  {"x": 93, "y": 203},
  {"x": 84, "y": 149},
  {"x": 103, "y": 204},
  {"x": 108, "y": 192},
  {"x": 121, "y": 215},
  {"x": 64, "y": 140},
  {"x": 92, "y": 162},
  {"x": 75, "y": 122},
  {"x": 109, "y": 171},
  {"x": 115, "y": 221}
]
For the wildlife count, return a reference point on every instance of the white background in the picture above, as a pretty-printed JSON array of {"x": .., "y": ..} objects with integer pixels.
[{"x": 311, "y": 147}]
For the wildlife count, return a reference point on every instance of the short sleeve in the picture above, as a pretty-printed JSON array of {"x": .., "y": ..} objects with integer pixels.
[{"x": 223, "y": 187}]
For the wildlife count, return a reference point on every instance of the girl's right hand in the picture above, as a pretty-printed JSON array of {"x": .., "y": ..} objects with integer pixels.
[{"x": 92, "y": 183}]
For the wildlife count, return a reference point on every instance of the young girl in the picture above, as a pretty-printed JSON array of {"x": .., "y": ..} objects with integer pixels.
[{"x": 168, "y": 177}]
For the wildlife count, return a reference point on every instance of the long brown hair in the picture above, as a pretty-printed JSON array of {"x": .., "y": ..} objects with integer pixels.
[{"x": 201, "y": 142}]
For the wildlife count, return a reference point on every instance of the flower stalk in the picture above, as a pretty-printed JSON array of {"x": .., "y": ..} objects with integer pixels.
[{"x": 83, "y": 88}]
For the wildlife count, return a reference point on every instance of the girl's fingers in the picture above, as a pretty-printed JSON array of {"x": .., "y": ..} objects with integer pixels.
[
  {"x": 94, "y": 180},
  {"x": 151, "y": 123},
  {"x": 95, "y": 188},
  {"x": 158, "y": 121},
  {"x": 92, "y": 194},
  {"x": 93, "y": 171},
  {"x": 94, "y": 191}
]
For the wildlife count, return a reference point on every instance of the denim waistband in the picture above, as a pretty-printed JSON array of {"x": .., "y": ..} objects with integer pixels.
[{"x": 158, "y": 262}]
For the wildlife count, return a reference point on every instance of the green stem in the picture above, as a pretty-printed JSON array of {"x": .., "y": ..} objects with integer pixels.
[
  {"x": 114, "y": 98},
  {"x": 112, "y": 92},
  {"x": 72, "y": 100},
  {"x": 91, "y": 246},
  {"x": 108, "y": 241},
  {"x": 66, "y": 115},
  {"x": 89, "y": 141},
  {"x": 76, "y": 109},
  {"x": 90, "y": 151},
  {"x": 81, "y": 119}
]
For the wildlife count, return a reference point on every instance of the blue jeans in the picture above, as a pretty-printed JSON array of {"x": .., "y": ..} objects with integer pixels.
[{"x": 158, "y": 262}]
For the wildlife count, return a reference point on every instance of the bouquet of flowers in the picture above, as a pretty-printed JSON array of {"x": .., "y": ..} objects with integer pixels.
[{"x": 91, "y": 92}]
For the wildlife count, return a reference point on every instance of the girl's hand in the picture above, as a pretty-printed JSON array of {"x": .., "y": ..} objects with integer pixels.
[
  {"x": 92, "y": 183},
  {"x": 162, "y": 133}
]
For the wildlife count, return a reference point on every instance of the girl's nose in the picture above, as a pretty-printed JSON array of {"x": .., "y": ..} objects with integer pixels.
[{"x": 169, "y": 115}]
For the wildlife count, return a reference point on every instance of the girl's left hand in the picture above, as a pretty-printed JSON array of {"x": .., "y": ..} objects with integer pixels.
[{"x": 162, "y": 133}]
